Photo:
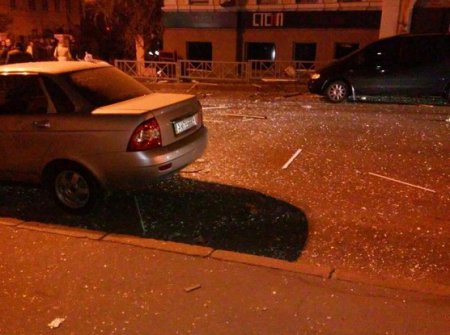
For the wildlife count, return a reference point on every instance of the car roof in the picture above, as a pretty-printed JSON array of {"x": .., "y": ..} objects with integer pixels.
[{"x": 53, "y": 67}]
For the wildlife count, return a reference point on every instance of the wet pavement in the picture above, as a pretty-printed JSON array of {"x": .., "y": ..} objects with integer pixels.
[{"x": 330, "y": 206}]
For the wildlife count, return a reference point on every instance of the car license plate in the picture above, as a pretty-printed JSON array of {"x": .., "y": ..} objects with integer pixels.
[{"x": 185, "y": 124}]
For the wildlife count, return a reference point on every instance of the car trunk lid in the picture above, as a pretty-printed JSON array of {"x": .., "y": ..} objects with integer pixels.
[{"x": 178, "y": 115}]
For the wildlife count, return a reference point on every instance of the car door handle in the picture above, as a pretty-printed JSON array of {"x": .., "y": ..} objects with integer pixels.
[
  {"x": 42, "y": 124},
  {"x": 380, "y": 69}
]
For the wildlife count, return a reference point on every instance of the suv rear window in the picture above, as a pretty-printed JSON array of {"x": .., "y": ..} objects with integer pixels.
[{"x": 105, "y": 86}]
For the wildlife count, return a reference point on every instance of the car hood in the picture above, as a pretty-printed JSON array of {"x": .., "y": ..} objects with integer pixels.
[{"x": 146, "y": 103}]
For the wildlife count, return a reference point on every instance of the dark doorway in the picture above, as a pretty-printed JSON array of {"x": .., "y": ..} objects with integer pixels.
[{"x": 430, "y": 20}]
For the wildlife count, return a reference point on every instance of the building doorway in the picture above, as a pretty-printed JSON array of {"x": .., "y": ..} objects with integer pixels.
[{"x": 431, "y": 17}]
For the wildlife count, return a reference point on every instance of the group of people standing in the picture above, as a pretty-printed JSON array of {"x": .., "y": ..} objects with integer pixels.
[{"x": 37, "y": 50}]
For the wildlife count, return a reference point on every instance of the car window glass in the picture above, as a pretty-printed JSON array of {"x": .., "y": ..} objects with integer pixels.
[
  {"x": 105, "y": 86},
  {"x": 22, "y": 94},
  {"x": 62, "y": 102},
  {"x": 383, "y": 52},
  {"x": 423, "y": 50}
]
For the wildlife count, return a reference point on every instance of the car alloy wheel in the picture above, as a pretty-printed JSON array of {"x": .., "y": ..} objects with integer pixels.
[
  {"x": 337, "y": 91},
  {"x": 74, "y": 189}
]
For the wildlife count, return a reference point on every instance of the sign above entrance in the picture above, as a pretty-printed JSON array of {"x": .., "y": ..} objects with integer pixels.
[
  {"x": 268, "y": 20},
  {"x": 310, "y": 19}
]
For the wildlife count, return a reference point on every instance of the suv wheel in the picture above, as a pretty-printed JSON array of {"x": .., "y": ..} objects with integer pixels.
[{"x": 337, "y": 91}]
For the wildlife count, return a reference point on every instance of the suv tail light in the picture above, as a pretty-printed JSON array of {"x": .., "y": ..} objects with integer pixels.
[{"x": 146, "y": 136}]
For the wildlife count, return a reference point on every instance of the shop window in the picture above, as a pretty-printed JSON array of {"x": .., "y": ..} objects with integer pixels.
[
  {"x": 343, "y": 49},
  {"x": 199, "y": 51},
  {"x": 305, "y": 52},
  {"x": 261, "y": 51}
]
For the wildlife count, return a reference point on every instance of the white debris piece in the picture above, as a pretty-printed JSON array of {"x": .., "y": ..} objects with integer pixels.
[
  {"x": 245, "y": 116},
  {"x": 56, "y": 323},
  {"x": 214, "y": 107},
  {"x": 402, "y": 182},
  {"x": 294, "y": 156},
  {"x": 192, "y": 288},
  {"x": 141, "y": 220}
]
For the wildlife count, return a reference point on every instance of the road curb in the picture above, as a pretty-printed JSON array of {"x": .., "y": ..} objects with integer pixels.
[
  {"x": 10, "y": 222},
  {"x": 326, "y": 272},
  {"x": 62, "y": 230},
  {"x": 180, "y": 248},
  {"x": 299, "y": 267},
  {"x": 392, "y": 283}
]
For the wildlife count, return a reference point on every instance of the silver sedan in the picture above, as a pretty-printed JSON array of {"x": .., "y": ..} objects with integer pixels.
[{"x": 82, "y": 128}]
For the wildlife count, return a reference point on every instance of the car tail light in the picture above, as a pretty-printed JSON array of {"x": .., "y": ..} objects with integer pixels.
[{"x": 146, "y": 136}]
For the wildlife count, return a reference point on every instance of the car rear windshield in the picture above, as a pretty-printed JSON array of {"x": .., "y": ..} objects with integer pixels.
[{"x": 105, "y": 86}]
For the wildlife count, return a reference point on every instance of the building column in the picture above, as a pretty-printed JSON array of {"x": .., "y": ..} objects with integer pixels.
[
  {"x": 404, "y": 24},
  {"x": 396, "y": 17},
  {"x": 390, "y": 15}
]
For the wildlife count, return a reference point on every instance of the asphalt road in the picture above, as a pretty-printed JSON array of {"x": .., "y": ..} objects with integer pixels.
[{"x": 330, "y": 206}]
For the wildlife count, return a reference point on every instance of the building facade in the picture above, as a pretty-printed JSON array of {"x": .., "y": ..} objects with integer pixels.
[
  {"x": 38, "y": 18},
  {"x": 306, "y": 30}
]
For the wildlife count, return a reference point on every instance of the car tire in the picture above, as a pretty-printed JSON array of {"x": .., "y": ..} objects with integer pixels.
[
  {"x": 74, "y": 189},
  {"x": 337, "y": 91}
]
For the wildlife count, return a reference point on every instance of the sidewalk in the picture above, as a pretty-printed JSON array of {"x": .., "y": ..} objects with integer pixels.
[{"x": 110, "y": 284}]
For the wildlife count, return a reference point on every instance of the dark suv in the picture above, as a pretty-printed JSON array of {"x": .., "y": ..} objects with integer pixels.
[{"x": 403, "y": 65}]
